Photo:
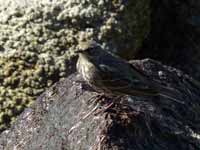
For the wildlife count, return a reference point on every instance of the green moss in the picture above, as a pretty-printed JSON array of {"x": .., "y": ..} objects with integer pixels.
[
  {"x": 39, "y": 41},
  {"x": 128, "y": 26}
]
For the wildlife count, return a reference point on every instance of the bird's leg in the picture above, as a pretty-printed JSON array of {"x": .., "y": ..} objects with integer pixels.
[
  {"x": 96, "y": 98},
  {"x": 104, "y": 109},
  {"x": 93, "y": 98}
]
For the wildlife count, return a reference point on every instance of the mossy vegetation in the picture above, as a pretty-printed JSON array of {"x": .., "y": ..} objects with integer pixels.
[{"x": 38, "y": 41}]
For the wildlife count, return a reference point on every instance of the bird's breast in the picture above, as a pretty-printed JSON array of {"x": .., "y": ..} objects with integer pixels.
[{"x": 88, "y": 70}]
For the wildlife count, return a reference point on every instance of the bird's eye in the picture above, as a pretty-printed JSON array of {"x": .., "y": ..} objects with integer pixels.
[{"x": 89, "y": 50}]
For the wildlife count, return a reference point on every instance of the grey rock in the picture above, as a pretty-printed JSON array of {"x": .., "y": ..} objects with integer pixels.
[
  {"x": 58, "y": 121},
  {"x": 44, "y": 34}
]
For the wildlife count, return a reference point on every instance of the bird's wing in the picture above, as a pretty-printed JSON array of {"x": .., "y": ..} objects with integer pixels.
[
  {"x": 120, "y": 68},
  {"x": 118, "y": 80}
]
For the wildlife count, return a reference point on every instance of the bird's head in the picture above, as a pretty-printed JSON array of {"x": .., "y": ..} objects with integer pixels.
[{"x": 89, "y": 49}]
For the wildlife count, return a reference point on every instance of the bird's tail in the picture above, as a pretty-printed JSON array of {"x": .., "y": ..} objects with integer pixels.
[
  {"x": 171, "y": 98},
  {"x": 167, "y": 92},
  {"x": 170, "y": 93}
]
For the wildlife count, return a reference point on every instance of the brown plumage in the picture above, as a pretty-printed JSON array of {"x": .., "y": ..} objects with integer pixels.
[{"x": 110, "y": 74}]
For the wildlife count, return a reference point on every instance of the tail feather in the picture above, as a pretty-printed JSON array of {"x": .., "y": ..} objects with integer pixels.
[
  {"x": 167, "y": 92},
  {"x": 172, "y": 98},
  {"x": 170, "y": 93}
]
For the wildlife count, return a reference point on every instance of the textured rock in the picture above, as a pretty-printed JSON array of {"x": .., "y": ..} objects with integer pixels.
[
  {"x": 38, "y": 39},
  {"x": 54, "y": 122},
  {"x": 175, "y": 34}
]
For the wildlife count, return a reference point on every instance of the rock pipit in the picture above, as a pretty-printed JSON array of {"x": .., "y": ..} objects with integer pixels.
[{"x": 112, "y": 75}]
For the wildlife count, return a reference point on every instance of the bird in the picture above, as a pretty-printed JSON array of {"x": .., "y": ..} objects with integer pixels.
[{"x": 108, "y": 73}]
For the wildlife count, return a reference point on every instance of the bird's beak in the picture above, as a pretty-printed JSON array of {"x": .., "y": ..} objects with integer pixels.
[{"x": 78, "y": 51}]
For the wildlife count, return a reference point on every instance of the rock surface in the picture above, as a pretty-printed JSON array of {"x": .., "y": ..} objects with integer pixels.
[
  {"x": 174, "y": 35},
  {"x": 38, "y": 39},
  {"x": 58, "y": 118}
]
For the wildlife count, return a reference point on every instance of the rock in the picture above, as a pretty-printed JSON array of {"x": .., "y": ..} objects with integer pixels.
[
  {"x": 58, "y": 118},
  {"x": 39, "y": 37},
  {"x": 174, "y": 35}
]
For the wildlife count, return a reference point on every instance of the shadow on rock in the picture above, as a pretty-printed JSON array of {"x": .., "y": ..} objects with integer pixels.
[{"x": 65, "y": 117}]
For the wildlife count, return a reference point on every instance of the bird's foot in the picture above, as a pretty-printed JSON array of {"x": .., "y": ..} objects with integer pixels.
[
  {"x": 108, "y": 102},
  {"x": 96, "y": 98},
  {"x": 105, "y": 108}
]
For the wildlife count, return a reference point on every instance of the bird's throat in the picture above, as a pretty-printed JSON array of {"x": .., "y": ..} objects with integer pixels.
[{"x": 86, "y": 67}]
